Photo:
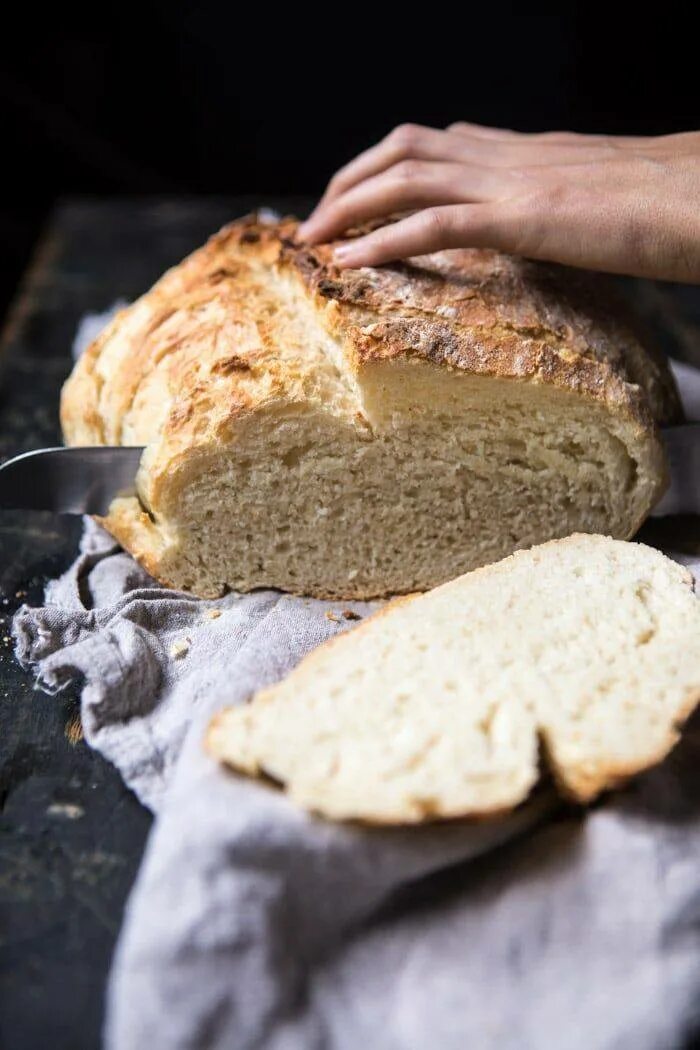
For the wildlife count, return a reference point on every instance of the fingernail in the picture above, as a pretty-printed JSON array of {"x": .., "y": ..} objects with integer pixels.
[
  {"x": 308, "y": 228},
  {"x": 344, "y": 254}
]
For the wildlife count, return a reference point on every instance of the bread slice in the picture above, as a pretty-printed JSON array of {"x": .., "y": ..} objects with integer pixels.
[
  {"x": 364, "y": 433},
  {"x": 585, "y": 649}
]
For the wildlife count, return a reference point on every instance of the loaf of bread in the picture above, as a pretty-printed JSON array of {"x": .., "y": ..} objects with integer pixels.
[
  {"x": 582, "y": 654},
  {"x": 366, "y": 432}
]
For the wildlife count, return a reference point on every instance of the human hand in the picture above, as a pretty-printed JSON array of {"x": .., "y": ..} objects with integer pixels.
[{"x": 625, "y": 205}]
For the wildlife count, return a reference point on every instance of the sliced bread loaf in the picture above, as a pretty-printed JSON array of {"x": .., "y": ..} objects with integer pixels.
[
  {"x": 586, "y": 649},
  {"x": 365, "y": 433}
]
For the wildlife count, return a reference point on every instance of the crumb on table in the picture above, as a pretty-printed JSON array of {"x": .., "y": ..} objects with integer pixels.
[{"x": 67, "y": 810}]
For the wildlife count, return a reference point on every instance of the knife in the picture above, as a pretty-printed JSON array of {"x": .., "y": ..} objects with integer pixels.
[
  {"x": 69, "y": 480},
  {"x": 682, "y": 445},
  {"x": 86, "y": 480}
]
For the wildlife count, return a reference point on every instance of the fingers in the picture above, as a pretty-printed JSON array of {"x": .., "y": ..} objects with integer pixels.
[
  {"x": 357, "y": 193},
  {"x": 405, "y": 141},
  {"x": 460, "y": 143},
  {"x": 432, "y": 230},
  {"x": 412, "y": 142},
  {"x": 407, "y": 185}
]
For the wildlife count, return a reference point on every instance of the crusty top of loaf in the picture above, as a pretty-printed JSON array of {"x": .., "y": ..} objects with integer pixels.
[
  {"x": 481, "y": 310},
  {"x": 206, "y": 344}
]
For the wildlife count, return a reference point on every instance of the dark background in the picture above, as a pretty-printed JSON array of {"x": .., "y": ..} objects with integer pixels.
[{"x": 160, "y": 98}]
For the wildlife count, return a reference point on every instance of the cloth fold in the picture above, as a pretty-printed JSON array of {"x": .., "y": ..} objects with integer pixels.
[{"x": 253, "y": 924}]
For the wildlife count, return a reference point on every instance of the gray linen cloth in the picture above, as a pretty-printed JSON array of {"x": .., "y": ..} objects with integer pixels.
[{"x": 253, "y": 924}]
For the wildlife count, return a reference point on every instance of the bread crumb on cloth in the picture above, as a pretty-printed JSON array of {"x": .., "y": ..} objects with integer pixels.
[{"x": 180, "y": 648}]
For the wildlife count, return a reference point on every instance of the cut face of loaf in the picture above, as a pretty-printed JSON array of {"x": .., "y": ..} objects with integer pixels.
[
  {"x": 585, "y": 649},
  {"x": 369, "y": 433}
]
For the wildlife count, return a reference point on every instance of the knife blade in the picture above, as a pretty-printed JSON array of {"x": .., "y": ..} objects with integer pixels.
[
  {"x": 86, "y": 480},
  {"x": 682, "y": 445},
  {"x": 69, "y": 480}
]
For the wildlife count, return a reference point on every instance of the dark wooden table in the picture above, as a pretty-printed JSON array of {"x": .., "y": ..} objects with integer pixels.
[{"x": 71, "y": 835}]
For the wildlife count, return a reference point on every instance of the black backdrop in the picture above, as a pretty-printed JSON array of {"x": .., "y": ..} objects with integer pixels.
[{"x": 160, "y": 98}]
